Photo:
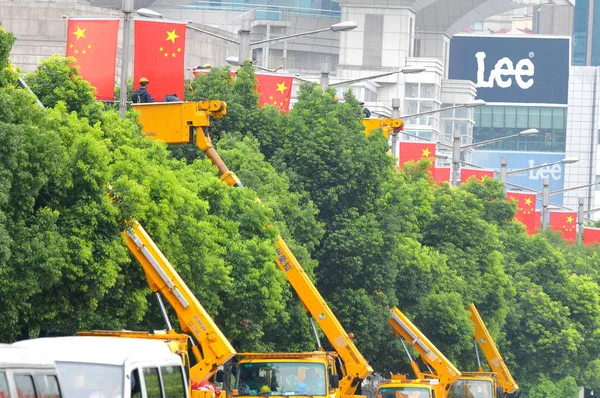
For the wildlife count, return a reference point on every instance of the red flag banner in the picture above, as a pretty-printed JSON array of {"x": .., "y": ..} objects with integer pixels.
[
  {"x": 479, "y": 174},
  {"x": 274, "y": 90},
  {"x": 93, "y": 43},
  {"x": 591, "y": 235},
  {"x": 441, "y": 174},
  {"x": 158, "y": 56},
  {"x": 525, "y": 208},
  {"x": 565, "y": 222},
  {"x": 415, "y": 151}
]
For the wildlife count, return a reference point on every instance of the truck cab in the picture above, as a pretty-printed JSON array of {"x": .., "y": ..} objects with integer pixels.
[
  {"x": 27, "y": 373},
  {"x": 285, "y": 374},
  {"x": 400, "y": 387},
  {"x": 113, "y": 367},
  {"x": 476, "y": 385}
]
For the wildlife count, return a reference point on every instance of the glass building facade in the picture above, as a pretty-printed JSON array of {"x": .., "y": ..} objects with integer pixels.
[
  {"x": 582, "y": 33},
  {"x": 274, "y": 9},
  {"x": 500, "y": 121}
]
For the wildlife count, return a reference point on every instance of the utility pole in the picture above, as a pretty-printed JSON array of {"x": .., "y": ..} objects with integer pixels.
[
  {"x": 545, "y": 201},
  {"x": 324, "y": 77},
  {"x": 127, "y": 8},
  {"x": 580, "y": 215},
  {"x": 455, "y": 156},
  {"x": 503, "y": 169},
  {"x": 393, "y": 134},
  {"x": 244, "y": 36}
]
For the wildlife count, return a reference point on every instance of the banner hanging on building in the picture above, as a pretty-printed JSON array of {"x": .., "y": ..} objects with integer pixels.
[
  {"x": 93, "y": 43},
  {"x": 479, "y": 174},
  {"x": 413, "y": 151},
  {"x": 510, "y": 68},
  {"x": 159, "y": 57}
]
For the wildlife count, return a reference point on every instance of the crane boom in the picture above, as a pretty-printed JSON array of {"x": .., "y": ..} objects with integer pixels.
[
  {"x": 491, "y": 353},
  {"x": 193, "y": 318},
  {"x": 158, "y": 120},
  {"x": 356, "y": 367},
  {"x": 444, "y": 370}
]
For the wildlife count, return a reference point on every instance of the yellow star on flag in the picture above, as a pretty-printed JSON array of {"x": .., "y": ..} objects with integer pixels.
[
  {"x": 179, "y": 50},
  {"x": 569, "y": 219},
  {"x": 83, "y": 51},
  {"x": 281, "y": 87},
  {"x": 172, "y": 36},
  {"x": 71, "y": 45},
  {"x": 89, "y": 46},
  {"x": 80, "y": 33},
  {"x": 76, "y": 51},
  {"x": 161, "y": 49},
  {"x": 173, "y": 55},
  {"x": 528, "y": 201},
  {"x": 425, "y": 153}
]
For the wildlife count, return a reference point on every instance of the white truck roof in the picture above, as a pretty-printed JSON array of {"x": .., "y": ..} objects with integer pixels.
[
  {"x": 18, "y": 357},
  {"x": 100, "y": 349}
]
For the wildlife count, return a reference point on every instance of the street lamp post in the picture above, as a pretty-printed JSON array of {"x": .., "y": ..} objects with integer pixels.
[
  {"x": 244, "y": 33},
  {"x": 580, "y": 215},
  {"x": 455, "y": 156},
  {"x": 545, "y": 200},
  {"x": 127, "y": 8},
  {"x": 325, "y": 76},
  {"x": 504, "y": 173},
  {"x": 395, "y": 115}
]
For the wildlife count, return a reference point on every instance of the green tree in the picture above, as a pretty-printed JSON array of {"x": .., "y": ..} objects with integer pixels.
[{"x": 57, "y": 79}]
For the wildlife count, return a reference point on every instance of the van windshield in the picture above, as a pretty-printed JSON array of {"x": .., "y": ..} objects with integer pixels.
[
  {"x": 281, "y": 378},
  {"x": 90, "y": 380},
  {"x": 404, "y": 392}
]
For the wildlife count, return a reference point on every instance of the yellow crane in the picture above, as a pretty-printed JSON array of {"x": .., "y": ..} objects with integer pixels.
[
  {"x": 495, "y": 384},
  {"x": 433, "y": 384},
  {"x": 278, "y": 373}
]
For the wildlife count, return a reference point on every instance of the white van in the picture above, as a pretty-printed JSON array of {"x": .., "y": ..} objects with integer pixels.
[
  {"x": 26, "y": 373},
  {"x": 113, "y": 367}
]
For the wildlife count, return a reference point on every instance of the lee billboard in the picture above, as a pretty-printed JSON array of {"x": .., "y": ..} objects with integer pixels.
[
  {"x": 523, "y": 160},
  {"x": 521, "y": 69}
]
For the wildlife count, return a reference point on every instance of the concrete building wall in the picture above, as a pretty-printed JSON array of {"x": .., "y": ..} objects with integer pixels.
[
  {"x": 41, "y": 31},
  {"x": 582, "y": 134}
]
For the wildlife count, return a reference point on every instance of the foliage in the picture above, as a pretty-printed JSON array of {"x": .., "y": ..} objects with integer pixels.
[
  {"x": 57, "y": 79},
  {"x": 370, "y": 235}
]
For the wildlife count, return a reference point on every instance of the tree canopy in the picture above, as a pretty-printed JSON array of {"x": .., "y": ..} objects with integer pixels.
[{"x": 371, "y": 236}]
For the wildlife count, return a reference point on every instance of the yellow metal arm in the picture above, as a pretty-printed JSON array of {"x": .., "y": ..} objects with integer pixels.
[
  {"x": 444, "y": 370},
  {"x": 386, "y": 125},
  {"x": 356, "y": 366},
  {"x": 193, "y": 318},
  {"x": 491, "y": 353}
]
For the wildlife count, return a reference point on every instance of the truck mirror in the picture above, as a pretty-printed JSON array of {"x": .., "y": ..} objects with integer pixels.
[
  {"x": 219, "y": 376},
  {"x": 334, "y": 380}
]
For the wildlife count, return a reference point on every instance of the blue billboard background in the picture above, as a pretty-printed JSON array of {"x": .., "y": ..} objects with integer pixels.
[
  {"x": 531, "y": 69},
  {"x": 531, "y": 179}
]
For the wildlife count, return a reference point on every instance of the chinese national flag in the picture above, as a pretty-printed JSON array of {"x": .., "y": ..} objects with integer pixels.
[
  {"x": 415, "y": 151},
  {"x": 274, "y": 90},
  {"x": 441, "y": 174},
  {"x": 159, "y": 52},
  {"x": 565, "y": 222},
  {"x": 525, "y": 208},
  {"x": 93, "y": 42},
  {"x": 591, "y": 235},
  {"x": 479, "y": 174}
]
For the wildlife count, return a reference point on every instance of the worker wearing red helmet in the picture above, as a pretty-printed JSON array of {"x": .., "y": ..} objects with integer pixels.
[{"x": 141, "y": 95}]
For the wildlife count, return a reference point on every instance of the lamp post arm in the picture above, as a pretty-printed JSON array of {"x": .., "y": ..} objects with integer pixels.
[
  {"x": 283, "y": 38},
  {"x": 510, "y": 173},
  {"x": 523, "y": 188},
  {"x": 360, "y": 79},
  {"x": 572, "y": 188},
  {"x": 432, "y": 111},
  {"x": 206, "y": 32},
  {"x": 482, "y": 143}
]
